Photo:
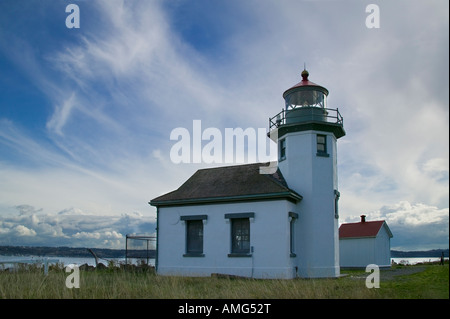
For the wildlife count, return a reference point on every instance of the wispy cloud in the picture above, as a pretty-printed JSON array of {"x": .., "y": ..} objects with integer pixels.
[{"x": 61, "y": 114}]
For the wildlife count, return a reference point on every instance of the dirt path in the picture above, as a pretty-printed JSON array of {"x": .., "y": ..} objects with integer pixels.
[{"x": 389, "y": 274}]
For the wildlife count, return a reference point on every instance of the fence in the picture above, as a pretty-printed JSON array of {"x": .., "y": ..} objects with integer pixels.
[
  {"x": 44, "y": 261},
  {"x": 140, "y": 247}
]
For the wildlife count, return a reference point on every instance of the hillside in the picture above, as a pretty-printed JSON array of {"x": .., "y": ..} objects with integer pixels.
[{"x": 419, "y": 253}]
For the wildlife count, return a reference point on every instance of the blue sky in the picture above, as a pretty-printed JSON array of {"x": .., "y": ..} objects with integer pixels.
[{"x": 86, "y": 114}]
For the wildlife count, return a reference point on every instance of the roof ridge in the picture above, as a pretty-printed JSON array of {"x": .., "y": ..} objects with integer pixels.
[
  {"x": 365, "y": 222},
  {"x": 232, "y": 166}
]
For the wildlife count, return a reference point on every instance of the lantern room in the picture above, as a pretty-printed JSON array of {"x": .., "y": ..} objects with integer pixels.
[
  {"x": 306, "y": 109},
  {"x": 305, "y": 94}
]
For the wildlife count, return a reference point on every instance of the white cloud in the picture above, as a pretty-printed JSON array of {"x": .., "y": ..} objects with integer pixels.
[
  {"x": 3, "y": 231},
  {"x": 21, "y": 230},
  {"x": 410, "y": 215},
  {"x": 414, "y": 226},
  {"x": 437, "y": 168},
  {"x": 396, "y": 114},
  {"x": 71, "y": 227},
  {"x": 85, "y": 235},
  {"x": 61, "y": 114}
]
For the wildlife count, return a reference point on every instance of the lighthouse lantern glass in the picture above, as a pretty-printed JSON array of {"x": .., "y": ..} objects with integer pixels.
[{"x": 306, "y": 98}]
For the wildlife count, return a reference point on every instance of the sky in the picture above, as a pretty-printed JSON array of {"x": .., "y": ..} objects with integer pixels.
[{"x": 86, "y": 113}]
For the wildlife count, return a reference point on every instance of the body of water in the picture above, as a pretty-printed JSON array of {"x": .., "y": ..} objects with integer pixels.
[{"x": 416, "y": 260}]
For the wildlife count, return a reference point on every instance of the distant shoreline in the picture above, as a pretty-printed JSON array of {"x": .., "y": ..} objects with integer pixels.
[
  {"x": 69, "y": 252},
  {"x": 419, "y": 253},
  {"x": 118, "y": 253}
]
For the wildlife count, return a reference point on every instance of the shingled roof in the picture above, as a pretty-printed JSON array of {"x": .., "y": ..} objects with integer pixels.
[{"x": 229, "y": 183}]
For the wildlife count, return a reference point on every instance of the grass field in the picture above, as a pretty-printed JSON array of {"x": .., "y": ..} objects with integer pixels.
[{"x": 430, "y": 282}]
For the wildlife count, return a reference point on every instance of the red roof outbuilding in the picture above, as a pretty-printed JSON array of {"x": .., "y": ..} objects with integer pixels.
[{"x": 363, "y": 229}]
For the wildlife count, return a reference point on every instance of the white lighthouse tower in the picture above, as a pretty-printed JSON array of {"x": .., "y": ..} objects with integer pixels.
[{"x": 307, "y": 157}]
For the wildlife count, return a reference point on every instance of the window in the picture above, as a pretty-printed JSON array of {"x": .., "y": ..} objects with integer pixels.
[
  {"x": 292, "y": 218},
  {"x": 322, "y": 145},
  {"x": 194, "y": 235},
  {"x": 336, "y": 202},
  {"x": 194, "y": 240},
  {"x": 282, "y": 150},
  {"x": 240, "y": 236}
]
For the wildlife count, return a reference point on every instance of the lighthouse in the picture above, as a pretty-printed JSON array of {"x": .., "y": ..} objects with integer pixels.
[
  {"x": 276, "y": 222},
  {"x": 307, "y": 133}
]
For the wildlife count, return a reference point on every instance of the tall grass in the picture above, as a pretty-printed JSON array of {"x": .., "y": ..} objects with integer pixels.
[{"x": 117, "y": 283}]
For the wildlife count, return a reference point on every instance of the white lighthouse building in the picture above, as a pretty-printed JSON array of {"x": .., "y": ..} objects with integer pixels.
[
  {"x": 234, "y": 220},
  {"x": 307, "y": 136}
]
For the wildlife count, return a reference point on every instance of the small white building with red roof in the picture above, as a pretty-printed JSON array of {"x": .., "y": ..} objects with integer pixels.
[{"x": 364, "y": 243}]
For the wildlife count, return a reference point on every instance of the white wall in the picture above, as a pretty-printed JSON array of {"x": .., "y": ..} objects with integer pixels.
[
  {"x": 315, "y": 178},
  {"x": 357, "y": 252},
  {"x": 383, "y": 249},
  {"x": 269, "y": 235},
  {"x": 360, "y": 252}
]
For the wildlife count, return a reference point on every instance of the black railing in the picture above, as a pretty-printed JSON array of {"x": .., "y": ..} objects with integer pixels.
[{"x": 305, "y": 114}]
